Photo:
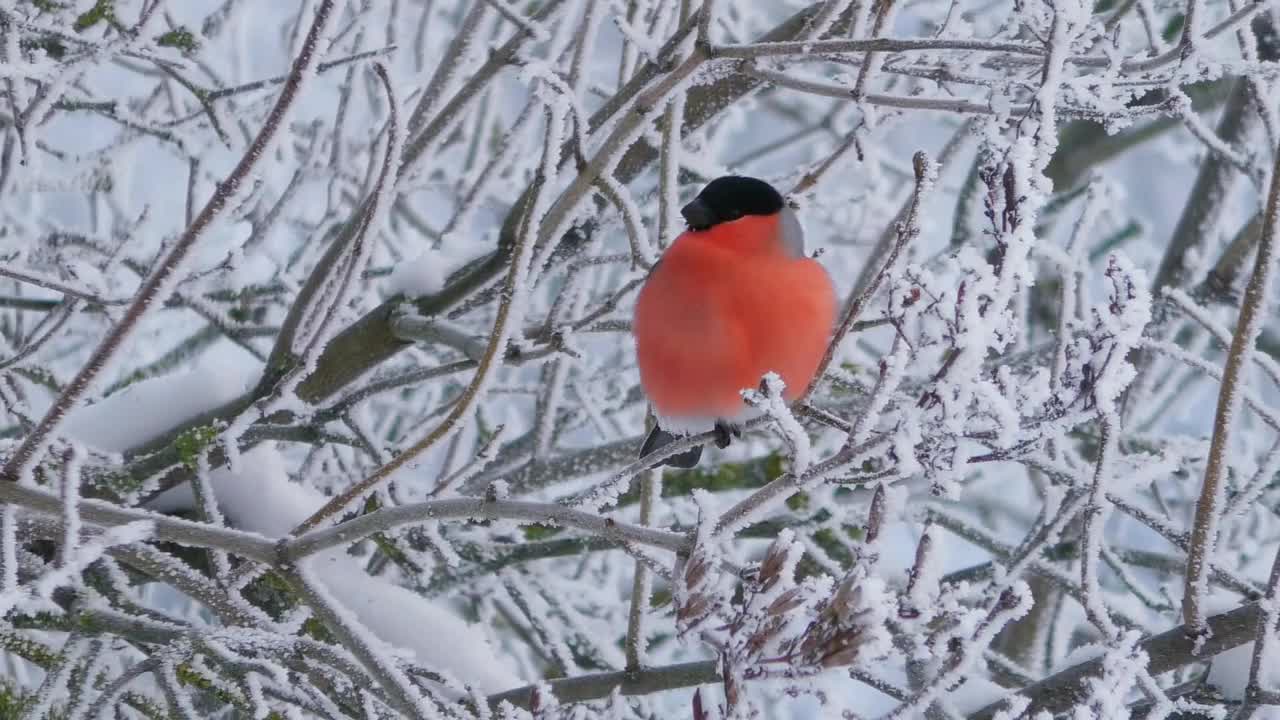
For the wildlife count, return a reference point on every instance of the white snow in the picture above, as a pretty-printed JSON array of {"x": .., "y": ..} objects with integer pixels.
[
  {"x": 976, "y": 419},
  {"x": 423, "y": 275},
  {"x": 147, "y": 408},
  {"x": 261, "y": 498}
]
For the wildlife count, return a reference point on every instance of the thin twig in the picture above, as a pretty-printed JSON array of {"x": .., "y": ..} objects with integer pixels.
[
  {"x": 1204, "y": 532},
  {"x": 509, "y": 310},
  {"x": 477, "y": 508},
  {"x": 641, "y": 584},
  {"x": 157, "y": 285},
  {"x": 906, "y": 230},
  {"x": 406, "y": 696},
  {"x": 629, "y": 682},
  {"x": 1264, "y": 644}
]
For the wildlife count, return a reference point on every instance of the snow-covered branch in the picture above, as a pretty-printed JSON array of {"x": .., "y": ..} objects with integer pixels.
[{"x": 319, "y": 396}]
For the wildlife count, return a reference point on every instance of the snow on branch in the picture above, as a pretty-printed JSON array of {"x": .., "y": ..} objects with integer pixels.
[{"x": 318, "y": 394}]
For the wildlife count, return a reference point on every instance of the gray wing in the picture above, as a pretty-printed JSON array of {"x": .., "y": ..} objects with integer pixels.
[{"x": 792, "y": 232}]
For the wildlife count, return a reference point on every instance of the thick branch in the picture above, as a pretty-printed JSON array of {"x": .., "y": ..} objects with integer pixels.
[
  {"x": 1167, "y": 651},
  {"x": 245, "y": 544}
]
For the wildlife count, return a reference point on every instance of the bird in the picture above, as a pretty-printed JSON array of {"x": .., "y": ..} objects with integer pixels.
[{"x": 733, "y": 298}]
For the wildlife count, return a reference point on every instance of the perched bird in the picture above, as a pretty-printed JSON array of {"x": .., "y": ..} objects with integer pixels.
[{"x": 733, "y": 298}]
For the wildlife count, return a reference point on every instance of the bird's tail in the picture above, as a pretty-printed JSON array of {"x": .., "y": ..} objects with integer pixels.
[{"x": 659, "y": 438}]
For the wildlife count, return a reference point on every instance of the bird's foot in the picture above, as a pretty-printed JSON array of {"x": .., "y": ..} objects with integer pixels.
[
  {"x": 659, "y": 438},
  {"x": 723, "y": 432}
]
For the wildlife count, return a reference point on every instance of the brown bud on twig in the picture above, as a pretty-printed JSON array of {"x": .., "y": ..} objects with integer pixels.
[
  {"x": 920, "y": 163},
  {"x": 845, "y": 625},
  {"x": 842, "y": 649},
  {"x": 786, "y": 602},
  {"x": 695, "y": 570},
  {"x": 698, "y": 712},
  {"x": 731, "y": 690},
  {"x": 828, "y": 646},
  {"x": 909, "y": 607},
  {"x": 694, "y": 611},
  {"x": 845, "y": 602},
  {"x": 1011, "y": 200},
  {"x": 766, "y": 632},
  {"x": 876, "y": 516},
  {"x": 775, "y": 559},
  {"x": 693, "y": 602}
]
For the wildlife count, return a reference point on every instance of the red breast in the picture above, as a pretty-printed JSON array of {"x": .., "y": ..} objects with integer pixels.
[{"x": 723, "y": 307}]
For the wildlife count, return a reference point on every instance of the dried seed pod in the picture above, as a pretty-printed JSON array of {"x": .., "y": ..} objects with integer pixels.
[
  {"x": 876, "y": 517},
  {"x": 693, "y": 612},
  {"x": 841, "y": 657},
  {"x": 731, "y": 690},
  {"x": 786, "y": 602},
  {"x": 846, "y": 601},
  {"x": 763, "y": 635},
  {"x": 775, "y": 560},
  {"x": 695, "y": 570}
]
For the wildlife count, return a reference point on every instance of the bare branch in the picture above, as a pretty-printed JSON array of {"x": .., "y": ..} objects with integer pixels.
[{"x": 1204, "y": 534}]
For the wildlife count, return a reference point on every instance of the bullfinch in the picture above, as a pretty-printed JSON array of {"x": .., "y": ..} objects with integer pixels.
[{"x": 733, "y": 298}]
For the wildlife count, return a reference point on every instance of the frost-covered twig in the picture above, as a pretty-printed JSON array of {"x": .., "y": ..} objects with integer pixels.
[
  {"x": 644, "y": 681},
  {"x": 1095, "y": 516},
  {"x": 304, "y": 333},
  {"x": 158, "y": 284},
  {"x": 737, "y": 516},
  {"x": 602, "y": 494},
  {"x": 510, "y": 312},
  {"x": 1264, "y": 644},
  {"x": 954, "y": 105},
  {"x": 1204, "y": 203},
  {"x": 1167, "y": 651},
  {"x": 479, "y": 508},
  {"x": 955, "y": 413},
  {"x": 906, "y": 230},
  {"x": 1250, "y": 399},
  {"x": 885, "y": 13},
  {"x": 641, "y": 583},
  {"x": 431, "y": 330},
  {"x": 1183, "y": 302},
  {"x": 70, "y": 288},
  {"x": 406, "y": 696},
  {"x": 669, "y": 170},
  {"x": 768, "y": 398},
  {"x": 1204, "y": 533},
  {"x": 641, "y": 253},
  {"x": 450, "y": 64},
  {"x": 1012, "y": 604},
  {"x": 171, "y": 529},
  {"x": 865, "y": 45}
]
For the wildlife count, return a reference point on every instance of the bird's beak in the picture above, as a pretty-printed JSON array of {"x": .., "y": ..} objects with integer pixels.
[{"x": 698, "y": 215}]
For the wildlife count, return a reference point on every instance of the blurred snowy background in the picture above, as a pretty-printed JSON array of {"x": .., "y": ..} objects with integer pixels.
[{"x": 318, "y": 397}]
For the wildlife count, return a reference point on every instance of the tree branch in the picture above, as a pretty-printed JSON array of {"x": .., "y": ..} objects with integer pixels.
[
  {"x": 1167, "y": 651},
  {"x": 1204, "y": 533},
  {"x": 477, "y": 509},
  {"x": 627, "y": 682},
  {"x": 159, "y": 283}
]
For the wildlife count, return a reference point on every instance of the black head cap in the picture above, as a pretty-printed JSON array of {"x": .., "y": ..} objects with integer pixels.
[{"x": 728, "y": 198}]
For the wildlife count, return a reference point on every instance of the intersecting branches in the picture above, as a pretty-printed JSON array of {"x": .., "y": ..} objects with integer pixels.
[{"x": 447, "y": 415}]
